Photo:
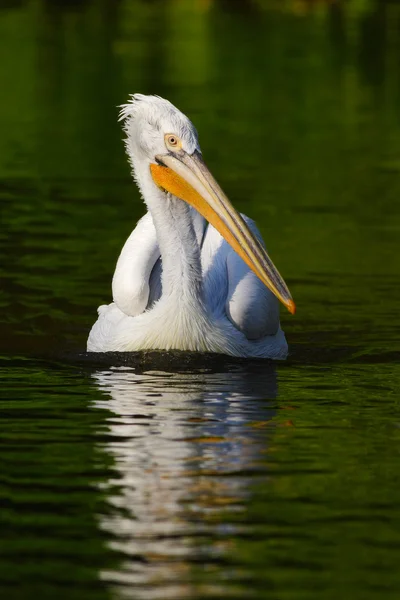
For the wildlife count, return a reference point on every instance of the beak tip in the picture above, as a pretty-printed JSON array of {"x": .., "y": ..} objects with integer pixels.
[{"x": 291, "y": 307}]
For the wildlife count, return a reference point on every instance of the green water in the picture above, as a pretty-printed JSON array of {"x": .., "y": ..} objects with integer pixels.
[{"x": 180, "y": 477}]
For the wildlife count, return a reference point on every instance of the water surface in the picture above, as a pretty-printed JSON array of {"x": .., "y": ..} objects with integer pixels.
[{"x": 173, "y": 476}]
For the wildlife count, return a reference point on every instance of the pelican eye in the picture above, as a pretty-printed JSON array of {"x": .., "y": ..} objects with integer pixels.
[{"x": 172, "y": 141}]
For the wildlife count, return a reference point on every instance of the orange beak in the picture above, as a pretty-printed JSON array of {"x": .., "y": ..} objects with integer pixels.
[{"x": 187, "y": 177}]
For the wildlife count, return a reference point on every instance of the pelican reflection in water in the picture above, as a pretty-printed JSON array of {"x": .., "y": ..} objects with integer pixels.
[
  {"x": 194, "y": 274},
  {"x": 187, "y": 448}
]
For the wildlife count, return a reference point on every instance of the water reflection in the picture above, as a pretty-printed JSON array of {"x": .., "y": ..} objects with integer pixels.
[{"x": 186, "y": 447}]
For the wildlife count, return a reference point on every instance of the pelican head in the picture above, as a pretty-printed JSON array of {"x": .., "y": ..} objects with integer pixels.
[{"x": 164, "y": 151}]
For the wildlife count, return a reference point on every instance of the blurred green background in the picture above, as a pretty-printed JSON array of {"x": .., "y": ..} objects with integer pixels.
[
  {"x": 276, "y": 482},
  {"x": 297, "y": 108}
]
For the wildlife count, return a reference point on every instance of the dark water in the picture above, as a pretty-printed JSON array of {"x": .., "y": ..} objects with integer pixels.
[{"x": 171, "y": 476}]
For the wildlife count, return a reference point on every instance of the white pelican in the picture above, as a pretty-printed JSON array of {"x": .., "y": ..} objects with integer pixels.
[{"x": 194, "y": 274}]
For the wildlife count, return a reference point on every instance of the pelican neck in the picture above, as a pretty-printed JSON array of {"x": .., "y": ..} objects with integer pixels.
[{"x": 178, "y": 240}]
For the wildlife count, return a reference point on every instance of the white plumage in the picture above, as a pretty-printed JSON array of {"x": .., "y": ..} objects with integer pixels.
[{"x": 178, "y": 283}]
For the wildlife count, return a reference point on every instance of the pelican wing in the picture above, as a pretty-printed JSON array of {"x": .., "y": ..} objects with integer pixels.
[
  {"x": 231, "y": 287},
  {"x": 135, "y": 266},
  {"x": 250, "y": 305}
]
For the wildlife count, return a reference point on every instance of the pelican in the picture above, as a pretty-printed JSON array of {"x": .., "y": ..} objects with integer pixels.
[{"x": 194, "y": 274}]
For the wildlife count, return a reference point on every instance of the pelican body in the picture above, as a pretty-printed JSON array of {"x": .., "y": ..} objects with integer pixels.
[{"x": 194, "y": 274}]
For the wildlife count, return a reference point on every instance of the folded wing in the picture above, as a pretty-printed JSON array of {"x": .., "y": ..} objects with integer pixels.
[{"x": 131, "y": 281}]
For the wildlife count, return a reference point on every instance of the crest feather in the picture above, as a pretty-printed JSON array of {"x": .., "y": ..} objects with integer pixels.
[{"x": 129, "y": 110}]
